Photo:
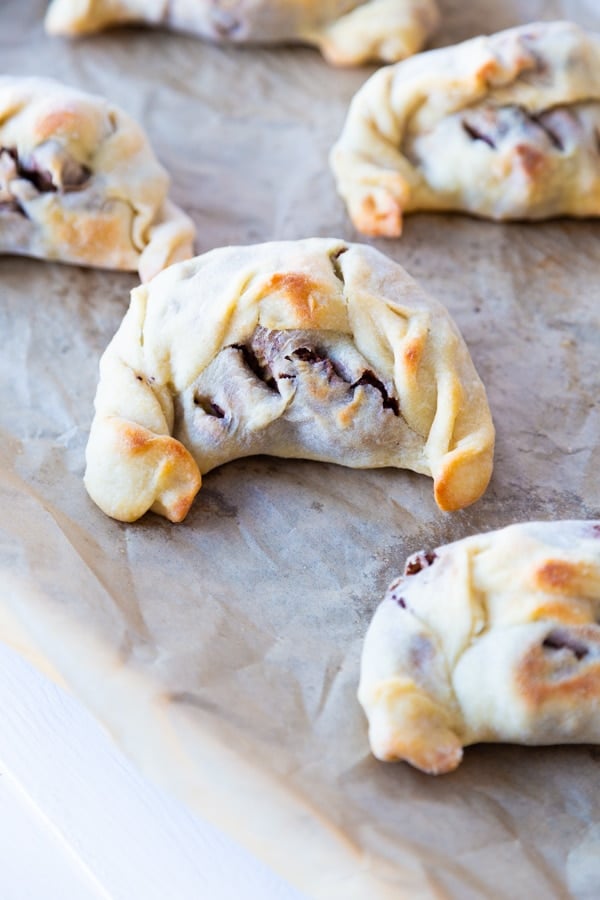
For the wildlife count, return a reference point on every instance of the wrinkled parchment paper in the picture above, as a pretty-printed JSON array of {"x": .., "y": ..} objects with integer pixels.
[{"x": 223, "y": 653}]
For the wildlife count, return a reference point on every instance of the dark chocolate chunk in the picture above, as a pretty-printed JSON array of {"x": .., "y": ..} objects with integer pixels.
[
  {"x": 252, "y": 362},
  {"x": 562, "y": 640},
  {"x": 421, "y": 561},
  {"x": 372, "y": 380},
  {"x": 476, "y": 134}
]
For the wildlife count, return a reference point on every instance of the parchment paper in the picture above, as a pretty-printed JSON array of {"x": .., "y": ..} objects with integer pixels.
[{"x": 223, "y": 653}]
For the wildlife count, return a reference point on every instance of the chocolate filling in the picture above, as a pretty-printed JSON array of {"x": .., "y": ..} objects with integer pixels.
[
  {"x": 490, "y": 124},
  {"x": 73, "y": 174},
  {"x": 477, "y": 135},
  {"x": 399, "y": 600},
  {"x": 367, "y": 378},
  {"x": 209, "y": 407},
  {"x": 313, "y": 356},
  {"x": 252, "y": 362},
  {"x": 562, "y": 640},
  {"x": 260, "y": 358},
  {"x": 307, "y": 355},
  {"x": 371, "y": 379},
  {"x": 420, "y": 562},
  {"x": 554, "y": 138}
]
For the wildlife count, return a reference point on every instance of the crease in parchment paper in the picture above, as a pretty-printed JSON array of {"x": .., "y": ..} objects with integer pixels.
[{"x": 231, "y": 772}]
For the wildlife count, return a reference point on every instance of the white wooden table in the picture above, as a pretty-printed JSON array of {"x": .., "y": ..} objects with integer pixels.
[{"x": 78, "y": 822}]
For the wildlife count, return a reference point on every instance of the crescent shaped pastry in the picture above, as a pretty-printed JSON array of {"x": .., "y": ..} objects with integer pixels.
[
  {"x": 79, "y": 183},
  {"x": 491, "y": 638},
  {"x": 314, "y": 349},
  {"x": 347, "y": 32},
  {"x": 504, "y": 127}
]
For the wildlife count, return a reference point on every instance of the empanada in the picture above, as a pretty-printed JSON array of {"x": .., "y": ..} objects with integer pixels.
[
  {"x": 504, "y": 127},
  {"x": 79, "y": 183},
  {"x": 492, "y": 638},
  {"x": 315, "y": 349},
  {"x": 347, "y": 32}
]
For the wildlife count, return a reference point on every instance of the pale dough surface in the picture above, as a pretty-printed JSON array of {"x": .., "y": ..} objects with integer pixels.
[
  {"x": 492, "y": 638},
  {"x": 348, "y": 32},
  {"x": 504, "y": 127},
  {"x": 79, "y": 182}
]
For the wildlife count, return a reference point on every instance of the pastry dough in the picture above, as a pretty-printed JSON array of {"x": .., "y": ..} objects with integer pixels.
[
  {"x": 314, "y": 349},
  {"x": 492, "y": 638},
  {"x": 346, "y": 31},
  {"x": 79, "y": 183},
  {"x": 504, "y": 127}
]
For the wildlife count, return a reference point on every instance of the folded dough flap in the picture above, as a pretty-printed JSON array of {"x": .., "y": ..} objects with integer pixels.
[
  {"x": 133, "y": 463},
  {"x": 170, "y": 240},
  {"x": 372, "y": 175},
  {"x": 405, "y": 690},
  {"x": 460, "y": 448},
  {"x": 412, "y": 339},
  {"x": 378, "y": 30},
  {"x": 407, "y": 724},
  {"x": 131, "y": 470}
]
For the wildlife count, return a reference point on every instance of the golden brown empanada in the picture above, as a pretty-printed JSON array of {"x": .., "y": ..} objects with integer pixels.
[
  {"x": 504, "y": 127},
  {"x": 491, "y": 638},
  {"x": 315, "y": 349},
  {"x": 346, "y": 31},
  {"x": 79, "y": 183}
]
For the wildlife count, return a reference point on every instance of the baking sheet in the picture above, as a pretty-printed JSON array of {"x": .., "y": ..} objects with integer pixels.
[{"x": 223, "y": 653}]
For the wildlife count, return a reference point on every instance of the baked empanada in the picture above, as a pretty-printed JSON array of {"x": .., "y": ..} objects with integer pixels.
[
  {"x": 347, "y": 32},
  {"x": 492, "y": 638},
  {"x": 314, "y": 349},
  {"x": 504, "y": 127},
  {"x": 79, "y": 183}
]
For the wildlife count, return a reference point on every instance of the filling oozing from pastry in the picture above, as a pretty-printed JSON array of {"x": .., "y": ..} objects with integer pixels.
[
  {"x": 560, "y": 639},
  {"x": 528, "y": 154},
  {"x": 49, "y": 168},
  {"x": 282, "y": 390}
]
